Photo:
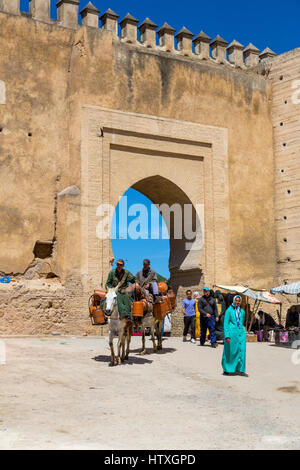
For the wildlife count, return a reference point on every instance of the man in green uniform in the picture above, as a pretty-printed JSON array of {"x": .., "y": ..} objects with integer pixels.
[{"x": 121, "y": 277}]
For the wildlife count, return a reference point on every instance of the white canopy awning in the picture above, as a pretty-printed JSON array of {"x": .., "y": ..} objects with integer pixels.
[
  {"x": 260, "y": 296},
  {"x": 238, "y": 289}
]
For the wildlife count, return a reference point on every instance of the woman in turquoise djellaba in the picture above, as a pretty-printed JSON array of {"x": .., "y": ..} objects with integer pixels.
[{"x": 234, "y": 352}]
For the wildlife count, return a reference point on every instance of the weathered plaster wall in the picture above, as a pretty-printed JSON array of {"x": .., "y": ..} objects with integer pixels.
[
  {"x": 34, "y": 140},
  {"x": 285, "y": 77},
  {"x": 51, "y": 72},
  {"x": 41, "y": 307},
  {"x": 125, "y": 77}
]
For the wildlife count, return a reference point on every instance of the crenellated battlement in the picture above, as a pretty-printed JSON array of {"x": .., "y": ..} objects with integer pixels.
[{"x": 200, "y": 47}]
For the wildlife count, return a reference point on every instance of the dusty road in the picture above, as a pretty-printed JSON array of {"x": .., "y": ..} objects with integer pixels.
[{"x": 60, "y": 393}]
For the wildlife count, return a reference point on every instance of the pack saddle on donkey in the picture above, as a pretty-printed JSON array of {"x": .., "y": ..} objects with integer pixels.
[
  {"x": 145, "y": 315},
  {"x": 150, "y": 315}
]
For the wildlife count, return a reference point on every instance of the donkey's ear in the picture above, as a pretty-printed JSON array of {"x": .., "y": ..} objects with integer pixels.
[{"x": 116, "y": 290}]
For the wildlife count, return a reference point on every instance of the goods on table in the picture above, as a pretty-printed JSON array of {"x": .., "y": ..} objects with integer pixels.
[
  {"x": 287, "y": 338},
  {"x": 271, "y": 336},
  {"x": 260, "y": 335},
  {"x": 251, "y": 338}
]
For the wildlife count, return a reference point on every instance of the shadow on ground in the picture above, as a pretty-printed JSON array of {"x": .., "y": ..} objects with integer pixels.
[
  {"x": 281, "y": 346},
  {"x": 150, "y": 350},
  {"x": 132, "y": 360}
]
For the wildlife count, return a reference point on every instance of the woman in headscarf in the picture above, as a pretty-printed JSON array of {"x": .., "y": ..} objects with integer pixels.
[{"x": 234, "y": 352}]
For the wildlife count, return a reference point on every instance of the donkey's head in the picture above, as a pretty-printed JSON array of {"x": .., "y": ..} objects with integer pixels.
[{"x": 110, "y": 301}]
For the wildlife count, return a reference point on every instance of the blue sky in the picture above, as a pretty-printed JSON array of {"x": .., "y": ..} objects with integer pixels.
[
  {"x": 134, "y": 251},
  {"x": 272, "y": 23}
]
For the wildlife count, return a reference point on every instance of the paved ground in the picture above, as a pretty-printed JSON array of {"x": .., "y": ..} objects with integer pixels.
[{"x": 60, "y": 393}]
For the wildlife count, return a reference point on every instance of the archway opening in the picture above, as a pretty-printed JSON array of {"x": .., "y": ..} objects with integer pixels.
[
  {"x": 148, "y": 238},
  {"x": 178, "y": 252}
]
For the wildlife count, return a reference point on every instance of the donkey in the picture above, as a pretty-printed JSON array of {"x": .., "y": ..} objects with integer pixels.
[
  {"x": 148, "y": 320},
  {"x": 123, "y": 327}
]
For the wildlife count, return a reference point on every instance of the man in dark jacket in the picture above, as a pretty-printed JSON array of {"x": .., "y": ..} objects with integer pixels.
[{"x": 208, "y": 316}]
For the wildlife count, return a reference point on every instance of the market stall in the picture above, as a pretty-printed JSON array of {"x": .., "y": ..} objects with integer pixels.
[
  {"x": 290, "y": 335},
  {"x": 288, "y": 289},
  {"x": 257, "y": 295}
]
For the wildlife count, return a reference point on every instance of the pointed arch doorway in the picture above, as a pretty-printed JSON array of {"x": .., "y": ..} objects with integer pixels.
[{"x": 170, "y": 162}]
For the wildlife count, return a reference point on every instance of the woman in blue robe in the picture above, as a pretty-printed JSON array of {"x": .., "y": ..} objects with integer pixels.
[{"x": 234, "y": 352}]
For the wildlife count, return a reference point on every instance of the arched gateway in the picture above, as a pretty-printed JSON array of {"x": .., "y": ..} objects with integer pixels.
[{"x": 179, "y": 166}]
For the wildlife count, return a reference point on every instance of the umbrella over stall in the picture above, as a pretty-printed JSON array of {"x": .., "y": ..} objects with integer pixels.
[
  {"x": 293, "y": 288},
  {"x": 257, "y": 295},
  {"x": 289, "y": 289}
]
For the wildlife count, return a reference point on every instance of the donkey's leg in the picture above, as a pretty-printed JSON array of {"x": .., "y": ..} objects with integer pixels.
[
  {"x": 121, "y": 340},
  {"x": 153, "y": 337},
  {"x": 119, "y": 347},
  {"x": 143, "y": 351},
  {"x": 123, "y": 348},
  {"x": 123, "y": 343},
  {"x": 129, "y": 334},
  {"x": 158, "y": 335},
  {"x": 113, "y": 361}
]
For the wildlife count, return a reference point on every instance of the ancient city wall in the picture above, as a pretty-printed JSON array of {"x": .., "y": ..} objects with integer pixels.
[
  {"x": 285, "y": 76},
  {"x": 51, "y": 72}
]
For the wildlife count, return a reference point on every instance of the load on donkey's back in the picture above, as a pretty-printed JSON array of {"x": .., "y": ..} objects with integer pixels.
[{"x": 130, "y": 301}]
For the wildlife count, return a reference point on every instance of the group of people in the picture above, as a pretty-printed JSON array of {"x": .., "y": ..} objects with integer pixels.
[
  {"x": 121, "y": 277},
  {"x": 220, "y": 321},
  {"x": 214, "y": 316}
]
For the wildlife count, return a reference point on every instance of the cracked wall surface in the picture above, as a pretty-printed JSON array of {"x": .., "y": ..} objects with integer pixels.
[
  {"x": 41, "y": 307},
  {"x": 51, "y": 75}
]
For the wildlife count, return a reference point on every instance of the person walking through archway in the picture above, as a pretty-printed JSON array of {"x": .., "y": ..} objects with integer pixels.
[
  {"x": 188, "y": 309},
  {"x": 208, "y": 317}
]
